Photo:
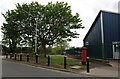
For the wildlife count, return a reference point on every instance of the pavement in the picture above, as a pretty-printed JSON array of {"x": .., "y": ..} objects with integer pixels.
[{"x": 104, "y": 70}]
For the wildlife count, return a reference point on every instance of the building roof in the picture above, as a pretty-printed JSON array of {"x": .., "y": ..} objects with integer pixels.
[{"x": 96, "y": 20}]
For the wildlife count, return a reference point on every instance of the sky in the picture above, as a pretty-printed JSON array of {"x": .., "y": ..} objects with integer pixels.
[{"x": 88, "y": 10}]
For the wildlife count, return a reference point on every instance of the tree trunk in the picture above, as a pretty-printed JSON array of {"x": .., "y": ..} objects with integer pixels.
[{"x": 44, "y": 50}]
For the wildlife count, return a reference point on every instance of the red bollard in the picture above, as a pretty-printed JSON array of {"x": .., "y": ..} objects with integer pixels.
[{"x": 84, "y": 55}]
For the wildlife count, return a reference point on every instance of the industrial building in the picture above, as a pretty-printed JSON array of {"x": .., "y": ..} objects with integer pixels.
[{"x": 103, "y": 37}]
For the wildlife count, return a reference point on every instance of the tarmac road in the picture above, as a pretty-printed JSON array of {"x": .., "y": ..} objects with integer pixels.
[{"x": 13, "y": 69}]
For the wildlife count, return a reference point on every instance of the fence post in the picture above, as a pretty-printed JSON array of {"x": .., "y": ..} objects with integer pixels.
[
  {"x": 36, "y": 58},
  {"x": 88, "y": 69},
  {"x": 65, "y": 57},
  {"x": 27, "y": 57},
  {"x": 15, "y": 56},
  {"x": 48, "y": 60},
  {"x": 20, "y": 56}
]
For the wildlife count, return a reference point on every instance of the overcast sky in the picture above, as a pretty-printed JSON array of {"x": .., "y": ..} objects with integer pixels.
[{"x": 88, "y": 10}]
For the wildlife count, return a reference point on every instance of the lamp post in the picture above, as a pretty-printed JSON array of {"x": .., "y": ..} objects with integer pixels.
[
  {"x": 36, "y": 54},
  {"x": 36, "y": 38},
  {"x": 35, "y": 34}
]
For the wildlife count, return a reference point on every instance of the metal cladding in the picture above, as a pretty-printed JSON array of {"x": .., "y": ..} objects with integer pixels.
[{"x": 104, "y": 31}]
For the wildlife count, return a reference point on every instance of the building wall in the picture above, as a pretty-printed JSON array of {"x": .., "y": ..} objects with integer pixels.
[
  {"x": 110, "y": 23},
  {"x": 119, "y": 27},
  {"x": 94, "y": 36},
  {"x": 110, "y": 28},
  {"x": 111, "y": 33},
  {"x": 93, "y": 40}
]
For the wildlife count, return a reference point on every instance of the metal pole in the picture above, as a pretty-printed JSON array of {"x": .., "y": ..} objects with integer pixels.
[
  {"x": 88, "y": 69},
  {"x": 15, "y": 56},
  {"x": 48, "y": 60},
  {"x": 21, "y": 57},
  {"x": 36, "y": 42},
  {"x": 21, "y": 49},
  {"x": 27, "y": 57},
  {"x": 65, "y": 62},
  {"x": 36, "y": 57}
]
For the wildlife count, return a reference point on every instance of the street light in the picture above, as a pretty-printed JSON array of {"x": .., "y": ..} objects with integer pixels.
[
  {"x": 36, "y": 54},
  {"x": 35, "y": 34},
  {"x": 36, "y": 38}
]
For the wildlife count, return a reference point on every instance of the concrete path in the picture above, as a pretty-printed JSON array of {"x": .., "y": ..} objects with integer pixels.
[{"x": 104, "y": 71}]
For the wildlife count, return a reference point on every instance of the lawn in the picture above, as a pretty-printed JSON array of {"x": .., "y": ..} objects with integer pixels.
[{"x": 60, "y": 60}]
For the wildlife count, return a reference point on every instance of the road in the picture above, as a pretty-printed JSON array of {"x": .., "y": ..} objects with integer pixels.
[{"x": 13, "y": 69}]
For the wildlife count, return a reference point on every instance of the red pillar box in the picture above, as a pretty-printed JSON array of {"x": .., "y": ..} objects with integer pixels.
[{"x": 84, "y": 54}]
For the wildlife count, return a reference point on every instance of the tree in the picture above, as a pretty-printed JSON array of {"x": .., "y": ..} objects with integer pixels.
[
  {"x": 19, "y": 26},
  {"x": 60, "y": 47},
  {"x": 10, "y": 30},
  {"x": 57, "y": 23},
  {"x": 53, "y": 21}
]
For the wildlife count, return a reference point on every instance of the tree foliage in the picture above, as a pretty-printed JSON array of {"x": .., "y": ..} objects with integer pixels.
[
  {"x": 54, "y": 22},
  {"x": 60, "y": 47},
  {"x": 10, "y": 31}
]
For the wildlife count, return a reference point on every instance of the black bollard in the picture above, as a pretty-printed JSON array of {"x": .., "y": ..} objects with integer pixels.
[
  {"x": 65, "y": 62},
  {"x": 88, "y": 69},
  {"x": 15, "y": 56},
  {"x": 6, "y": 55},
  {"x": 36, "y": 58},
  {"x": 21, "y": 57},
  {"x": 48, "y": 60},
  {"x": 27, "y": 57}
]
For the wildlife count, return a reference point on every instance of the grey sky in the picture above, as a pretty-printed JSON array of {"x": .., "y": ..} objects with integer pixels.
[{"x": 88, "y": 10}]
